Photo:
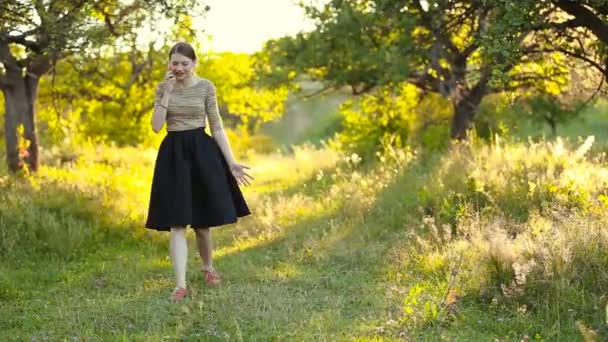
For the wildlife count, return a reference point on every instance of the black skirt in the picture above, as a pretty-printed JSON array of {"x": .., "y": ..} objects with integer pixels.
[{"x": 192, "y": 184}]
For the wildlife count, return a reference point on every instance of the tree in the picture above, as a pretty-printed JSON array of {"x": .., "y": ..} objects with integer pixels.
[
  {"x": 574, "y": 29},
  {"x": 102, "y": 96},
  {"x": 35, "y": 35},
  {"x": 240, "y": 95},
  {"x": 109, "y": 98},
  {"x": 438, "y": 45},
  {"x": 591, "y": 15}
]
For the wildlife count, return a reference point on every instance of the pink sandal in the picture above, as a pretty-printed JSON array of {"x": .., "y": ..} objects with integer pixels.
[
  {"x": 212, "y": 277},
  {"x": 178, "y": 294}
]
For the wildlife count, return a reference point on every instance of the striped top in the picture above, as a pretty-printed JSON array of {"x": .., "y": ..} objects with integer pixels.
[{"x": 189, "y": 107}]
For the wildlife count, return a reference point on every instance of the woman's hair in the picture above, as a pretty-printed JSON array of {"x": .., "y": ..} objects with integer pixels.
[{"x": 183, "y": 49}]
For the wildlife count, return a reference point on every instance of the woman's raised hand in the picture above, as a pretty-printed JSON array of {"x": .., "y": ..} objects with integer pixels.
[{"x": 168, "y": 83}]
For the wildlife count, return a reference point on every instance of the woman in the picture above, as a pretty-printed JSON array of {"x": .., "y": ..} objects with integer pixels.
[{"x": 196, "y": 177}]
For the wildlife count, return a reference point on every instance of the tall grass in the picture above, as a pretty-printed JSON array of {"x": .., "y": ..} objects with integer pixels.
[{"x": 517, "y": 228}]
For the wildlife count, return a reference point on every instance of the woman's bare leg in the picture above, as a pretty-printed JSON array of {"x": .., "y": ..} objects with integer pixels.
[
  {"x": 205, "y": 247},
  {"x": 178, "y": 247}
]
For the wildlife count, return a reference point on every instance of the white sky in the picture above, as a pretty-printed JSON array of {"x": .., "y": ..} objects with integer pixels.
[{"x": 244, "y": 25}]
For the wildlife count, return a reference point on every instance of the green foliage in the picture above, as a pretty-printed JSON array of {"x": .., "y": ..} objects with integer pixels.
[
  {"x": 106, "y": 99},
  {"x": 110, "y": 98},
  {"x": 523, "y": 27},
  {"x": 548, "y": 110},
  {"x": 235, "y": 79},
  {"x": 431, "y": 128},
  {"x": 521, "y": 227},
  {"x": 245, "y": 144},
  {"x": 396, "y": 117},
  {"x": 381, "y": 117},
  {"x": 420, "y": 306},
  {"x": 353, "y": 45},
  {"x": 76, "y": 27},
  {"x": 497, "y": 116},
  {"x": 496, "y": 46},
  {"x": 501, "y": 43},
  {"x": 513, "y": 188}
]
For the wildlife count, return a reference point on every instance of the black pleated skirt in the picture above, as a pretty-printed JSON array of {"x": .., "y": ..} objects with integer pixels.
[{"x": 192, "y": 184}]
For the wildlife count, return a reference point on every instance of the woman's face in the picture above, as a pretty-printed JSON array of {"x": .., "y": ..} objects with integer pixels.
[{"x": 181, "y": 66}]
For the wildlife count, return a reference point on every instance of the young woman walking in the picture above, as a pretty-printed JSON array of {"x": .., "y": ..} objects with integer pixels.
[{"x": 196, "y": 177}]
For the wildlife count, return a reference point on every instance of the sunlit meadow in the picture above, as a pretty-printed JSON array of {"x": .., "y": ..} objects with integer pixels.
[
  {"x": 500, "y": 241},
  {"x": 440, "y": 177}
]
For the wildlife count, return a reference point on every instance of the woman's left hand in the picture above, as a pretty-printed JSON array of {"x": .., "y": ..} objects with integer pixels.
[{"x": 238, "y": 171}]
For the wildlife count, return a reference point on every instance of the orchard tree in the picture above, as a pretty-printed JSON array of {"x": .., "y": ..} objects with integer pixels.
[
  {"x": 576, "y": 30},
  {"x": 584, "y": 32},
  {"x": 440, "y": 46},
  {"x": 109, "y": 98},
  {"x": 106, "y": 95},
  {"x": 35, "y": 35}
]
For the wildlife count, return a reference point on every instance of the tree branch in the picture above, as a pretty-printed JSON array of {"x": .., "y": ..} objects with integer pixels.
[
  {"x": 7, "y": 59},
  {"x": 424, "y": 81},
  {"x": 323, "y": 90},
  {"x": 112, "y": 25},
  {"x": 428, "y": 22},
  {"x": 22, "y": 40},
  {"x": 366, "y": 88},
  {"x": 572, "y": 54},
  {"x": 586, "y": 17}
]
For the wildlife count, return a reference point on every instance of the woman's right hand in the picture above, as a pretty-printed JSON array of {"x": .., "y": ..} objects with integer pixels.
[{"x": 168, "y": 83}]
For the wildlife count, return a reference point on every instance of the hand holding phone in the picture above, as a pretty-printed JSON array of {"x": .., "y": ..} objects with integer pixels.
[{"x": 169, "y": 82}]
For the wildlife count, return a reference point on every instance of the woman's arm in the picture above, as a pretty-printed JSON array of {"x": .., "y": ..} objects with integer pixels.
[
  {"x": 222, "y": 140},
  {"x": 217, "y": 130},
  {"x": 159, "y": 116},
  {"x": 161, "y": 101},
  {"x": 216, "y": 125}
]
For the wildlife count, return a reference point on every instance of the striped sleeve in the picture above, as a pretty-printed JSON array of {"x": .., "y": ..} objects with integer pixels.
[
  {"x": 158, "y": 95},
  {"x": 213, "y": 113}
]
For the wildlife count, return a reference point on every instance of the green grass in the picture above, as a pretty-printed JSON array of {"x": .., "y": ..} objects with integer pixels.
[
  {"x": 283, "y": 275},
  {"x": 592, "y": 121},
  {"x": 334, "y": 250}
]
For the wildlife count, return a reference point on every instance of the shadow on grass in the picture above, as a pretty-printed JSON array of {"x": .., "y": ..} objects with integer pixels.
[{"x": 324, "y": 275}]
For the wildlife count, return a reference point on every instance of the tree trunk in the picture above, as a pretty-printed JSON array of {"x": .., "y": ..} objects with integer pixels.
[
  {"x": 19, "y": 102},
  {"x": 553, "y": 124},
  {"x": 11, "y": 121},
  {"x": 465, "y": 107},
  {"x": 29, "y": 121},
  {"x": 464, "y": 113}
]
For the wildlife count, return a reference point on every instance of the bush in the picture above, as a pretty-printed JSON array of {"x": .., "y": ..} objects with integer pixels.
[{"x": 398, "y": 117}]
